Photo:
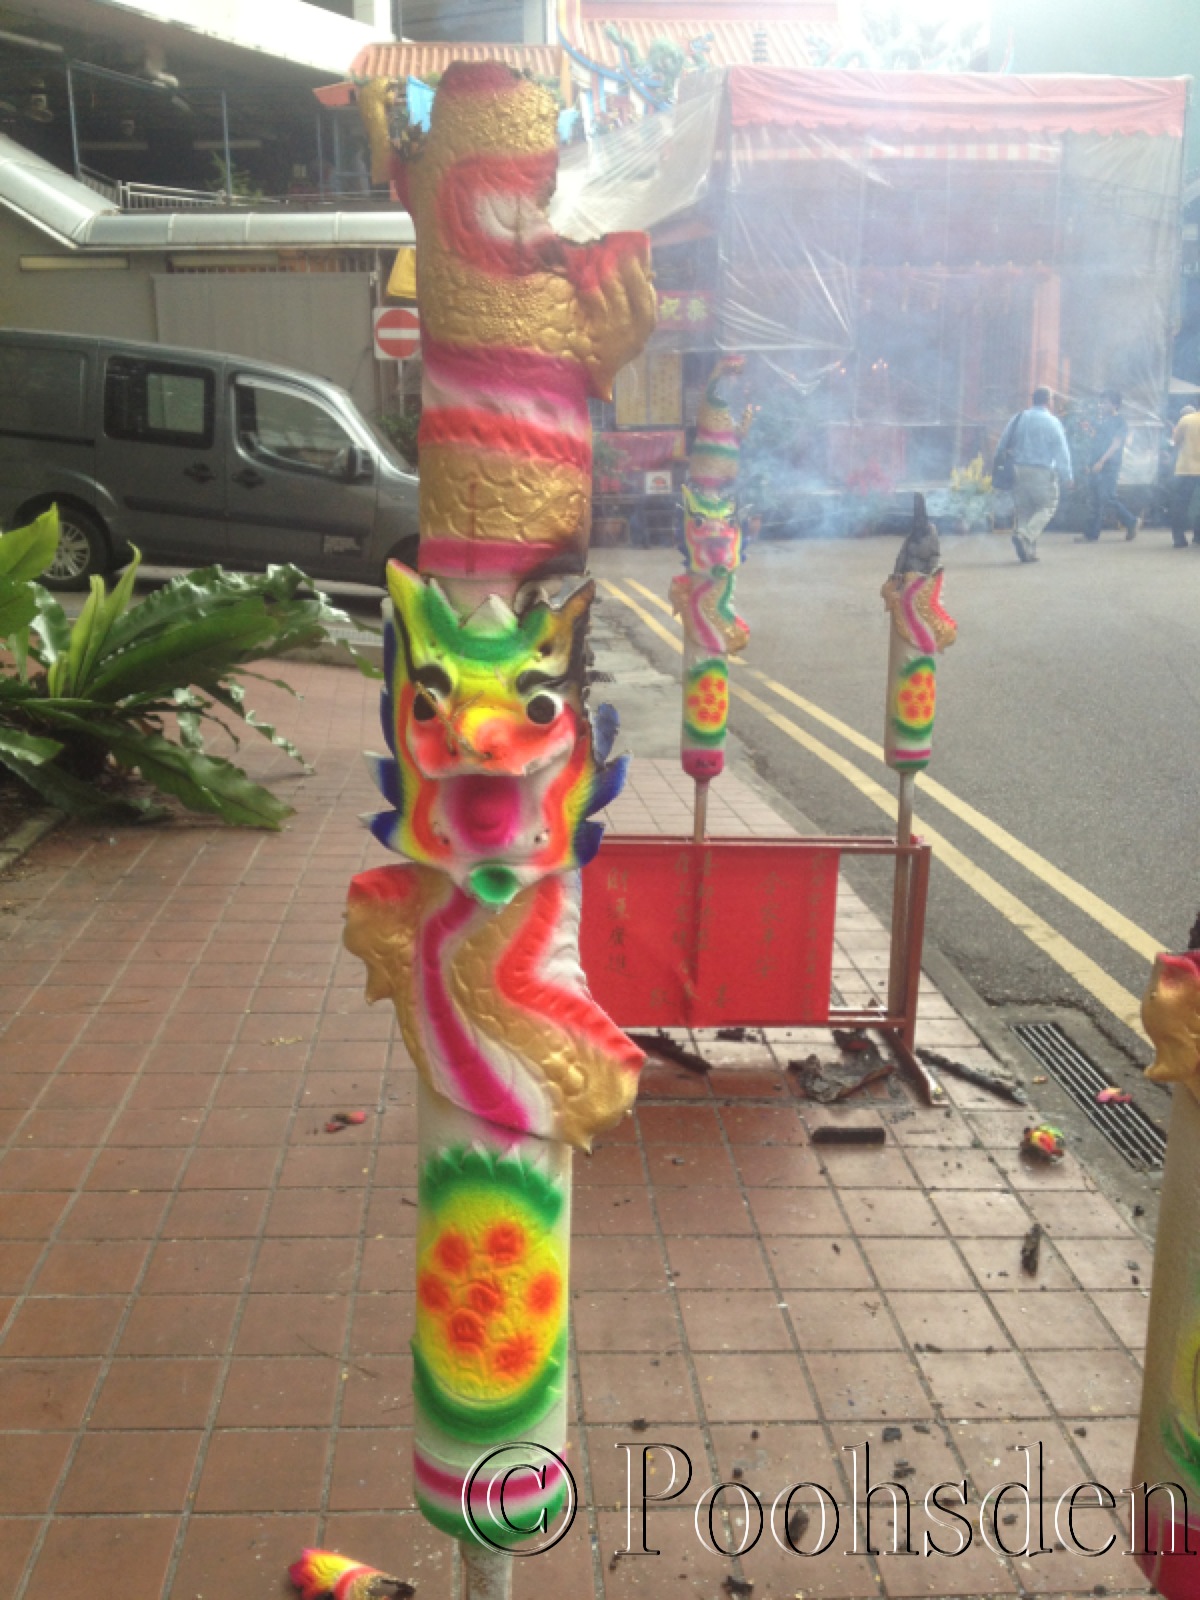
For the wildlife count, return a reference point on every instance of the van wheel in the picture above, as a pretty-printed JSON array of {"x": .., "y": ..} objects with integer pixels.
[{"x": 82, "y": 551}]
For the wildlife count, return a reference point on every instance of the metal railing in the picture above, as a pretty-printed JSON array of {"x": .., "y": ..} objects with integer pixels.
[
  {"x": 165, "y": 197},
  {"x": 160, "y": 197},
  {"x": 108, "y": 187}
]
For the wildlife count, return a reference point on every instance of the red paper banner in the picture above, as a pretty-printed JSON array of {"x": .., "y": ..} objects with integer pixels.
[
  {"x": 730, "y": 931},
  {"x": 644, "y": 452}
]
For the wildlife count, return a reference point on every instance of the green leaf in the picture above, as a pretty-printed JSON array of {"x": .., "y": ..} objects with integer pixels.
[
  {"x": 202, "y": 782},
  {"x": 59, "y": 710},
  {"x": 187, "y": 595},
  {"x": 189, "y": 709},
  {"x": 211, "y": 589},
  {"x": 28, "y": 747},
  {"x": 14, "y": 689},
  {"x": 52, "y": 628},
  {"x": 70, "y": 794},
  {"x": 114, "y": 607},
  {"x": 202, "y": 625},
  {"x": 19, "y": 645},
  {"x": 196, "y": 629},
  {"x": 63, "y": 677},
  {"x": 199, "y": 650},
  {"x": 51, "y": 625},
  {"x": 90, "y": 634},
  {"x": 279, "y": 683},
  {"x": 25, "y": 553},
  {"x": 233, "y": 696},
  {"x": 17, "y": 609},
  {"x": 219, "y": 722},
  {"x": 190, "y": 736}
]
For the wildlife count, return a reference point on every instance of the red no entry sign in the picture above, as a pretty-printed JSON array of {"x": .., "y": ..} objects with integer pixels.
[{"x": 397, "y": 332}]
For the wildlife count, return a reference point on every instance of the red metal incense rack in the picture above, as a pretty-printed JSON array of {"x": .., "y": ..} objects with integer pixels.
[{"x": 679, "y": 934}]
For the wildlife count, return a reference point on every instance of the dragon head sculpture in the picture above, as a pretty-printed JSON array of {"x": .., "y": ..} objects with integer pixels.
[
  {"x": 712, "y": 534},
  {"x": 495, "y": 764}
]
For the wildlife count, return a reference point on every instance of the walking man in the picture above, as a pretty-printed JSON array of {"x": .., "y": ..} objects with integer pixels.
[
  {"x": 1111, "y": 438},
  {"x": 1040, "y": 458},
  {"x": 1186, "y": 439}
]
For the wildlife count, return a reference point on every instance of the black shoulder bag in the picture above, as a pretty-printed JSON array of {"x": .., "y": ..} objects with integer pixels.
[{"x": 1003, "y": 470}]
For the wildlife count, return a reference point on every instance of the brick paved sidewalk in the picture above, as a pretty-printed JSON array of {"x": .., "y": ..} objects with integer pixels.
[{"x": 206, "y": 1298}]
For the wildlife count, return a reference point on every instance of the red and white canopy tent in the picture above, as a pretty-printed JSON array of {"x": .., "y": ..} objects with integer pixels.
[{"x": 962, "y": 104}]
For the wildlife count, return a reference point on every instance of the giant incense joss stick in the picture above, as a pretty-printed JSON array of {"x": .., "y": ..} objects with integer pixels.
[
  {"x": 1166, "y": 1531},
  {"x": 921, "y": 630},
  {"x": 493, "y": 772},
  {"x": 702, "y": 596}
]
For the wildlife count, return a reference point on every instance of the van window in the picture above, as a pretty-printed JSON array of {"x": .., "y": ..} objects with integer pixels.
[
  {"x": 157, "y": 403},
  {"x": 287, "y": 428},
  {"x": 41, "y": 391}
]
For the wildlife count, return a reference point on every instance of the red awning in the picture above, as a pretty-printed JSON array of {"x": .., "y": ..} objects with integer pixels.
[
  {"x": 407, "y": 58},
  {"x": 995, "y": 104},
  {"x": 419, "y": 58}
]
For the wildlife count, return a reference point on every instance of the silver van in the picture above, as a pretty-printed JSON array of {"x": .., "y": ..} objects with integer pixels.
[{"x": 195, "y": 458}]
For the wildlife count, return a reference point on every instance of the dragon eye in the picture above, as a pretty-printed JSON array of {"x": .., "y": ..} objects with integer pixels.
[
  {"x": 424, "y": 706},
  {"x": 543, "y": 708}
]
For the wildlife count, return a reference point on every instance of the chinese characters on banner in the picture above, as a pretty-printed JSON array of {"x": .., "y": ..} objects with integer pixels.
[{"x": 685, "y": 310}]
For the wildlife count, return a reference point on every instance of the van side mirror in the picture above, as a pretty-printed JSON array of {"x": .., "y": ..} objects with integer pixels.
[{"x": 355, "y": 465}]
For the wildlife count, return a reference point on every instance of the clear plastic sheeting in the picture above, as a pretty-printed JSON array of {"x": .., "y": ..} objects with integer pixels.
[
  {"x": 907, "y": 255},
  {"x": 916, "y": 286},
  {"x": 646, "y": 171}
]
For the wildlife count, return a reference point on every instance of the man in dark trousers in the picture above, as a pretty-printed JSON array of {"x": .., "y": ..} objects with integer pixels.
[
  {"x": 1111, "y": 438},
  {"x": 1040, "y": 458},
  {"x": 1186, "y": 483}
]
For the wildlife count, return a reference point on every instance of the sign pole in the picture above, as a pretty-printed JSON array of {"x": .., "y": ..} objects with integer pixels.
[
  {"x": 897, "y": 1001},
  {"x": 700, "y": 815},
  {"x": 487, "y": 1574}
]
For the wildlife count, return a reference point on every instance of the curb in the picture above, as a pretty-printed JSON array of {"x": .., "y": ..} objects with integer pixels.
[{"x": 23, "y": 839}]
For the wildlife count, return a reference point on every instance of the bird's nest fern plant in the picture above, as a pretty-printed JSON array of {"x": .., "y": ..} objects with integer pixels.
[{"x": 129, "y": 686}]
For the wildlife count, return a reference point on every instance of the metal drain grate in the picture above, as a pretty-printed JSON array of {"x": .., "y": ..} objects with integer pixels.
[{"x": 1126, "y": 1127}]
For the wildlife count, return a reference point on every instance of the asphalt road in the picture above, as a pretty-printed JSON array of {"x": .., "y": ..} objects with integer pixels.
[{"x": 1069, "y": 714}]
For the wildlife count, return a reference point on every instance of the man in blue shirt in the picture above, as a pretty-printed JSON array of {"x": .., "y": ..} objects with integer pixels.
[
  {"x": 1111, "y": 437},
  {"x": 1040, "y": 459}
]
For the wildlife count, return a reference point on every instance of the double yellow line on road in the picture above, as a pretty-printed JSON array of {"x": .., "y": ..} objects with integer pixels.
[{"x": 1113, "y": 996}]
